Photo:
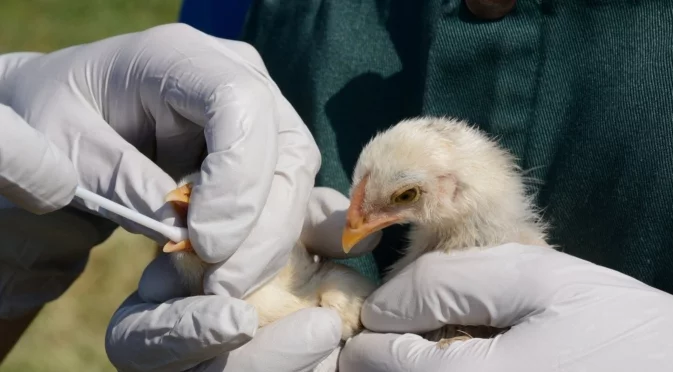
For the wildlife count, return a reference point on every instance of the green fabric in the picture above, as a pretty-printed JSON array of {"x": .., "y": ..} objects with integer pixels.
[{"x": 580, "y": 90}]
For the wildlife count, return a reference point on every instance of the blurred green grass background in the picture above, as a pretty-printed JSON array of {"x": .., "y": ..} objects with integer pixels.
[
  {"x": 68, "y": 335},
  {"x": 47, "y": 25}
]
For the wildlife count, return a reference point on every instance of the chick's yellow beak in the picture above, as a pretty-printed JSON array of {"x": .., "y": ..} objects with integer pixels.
[
  {"x": 358, "y": 226},
  {"x": 356, "y": 229},
  {"x": 352, "y": 234}
]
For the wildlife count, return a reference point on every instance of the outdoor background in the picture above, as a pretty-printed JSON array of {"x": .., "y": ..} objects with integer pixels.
[{"x": 68, "y": 335}]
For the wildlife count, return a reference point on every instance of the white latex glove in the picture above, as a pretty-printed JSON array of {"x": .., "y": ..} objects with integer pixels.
[
  {"x": 567, "y": 315},
  {"x": 199, "y": 333},
  {"x": 132, "y": 109},
  {"x": 34, "y": 174}
]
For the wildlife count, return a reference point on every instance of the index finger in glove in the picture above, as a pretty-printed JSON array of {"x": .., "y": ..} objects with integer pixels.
[
  {"x": 268, "y": 246},
  {"x": 324, "y": 224},
  {"x": 257, "y": 146},
  {"x": 261, "y": 160},
  {"x": 248, "y": 209},
  {"x": 177, "y": 334}
]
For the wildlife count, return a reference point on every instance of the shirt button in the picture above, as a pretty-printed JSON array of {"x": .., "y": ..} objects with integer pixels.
[{"x": 490, "y": 9}]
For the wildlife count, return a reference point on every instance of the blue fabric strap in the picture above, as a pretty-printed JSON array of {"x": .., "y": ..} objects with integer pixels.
[{"x": 220, "y": 18}]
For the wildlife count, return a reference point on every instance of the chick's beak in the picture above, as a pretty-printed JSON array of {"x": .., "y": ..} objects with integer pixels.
[
  {"x": 359, "y": 226},
  {"x": 357, "y": 229}
]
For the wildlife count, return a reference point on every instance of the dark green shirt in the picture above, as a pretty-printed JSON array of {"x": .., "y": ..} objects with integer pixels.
[{"x": 580, "y": 90}]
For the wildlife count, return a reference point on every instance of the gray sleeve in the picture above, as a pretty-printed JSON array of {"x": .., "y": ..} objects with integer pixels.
[{"x": 34, "y": 174}]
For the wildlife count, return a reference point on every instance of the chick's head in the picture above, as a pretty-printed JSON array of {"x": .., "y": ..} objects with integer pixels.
[{"x": 432, "y": 172}]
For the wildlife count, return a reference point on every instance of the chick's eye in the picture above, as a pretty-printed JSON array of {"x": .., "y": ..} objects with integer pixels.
[{"x": 406, "y": 196}]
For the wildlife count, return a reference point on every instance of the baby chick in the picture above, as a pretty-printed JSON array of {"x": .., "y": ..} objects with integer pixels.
[
  {"x": 302, "y": 283},
  {"x": 457, "y": 188}
]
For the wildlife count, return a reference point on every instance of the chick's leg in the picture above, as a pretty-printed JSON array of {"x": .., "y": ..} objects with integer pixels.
[
  {"x": 179, "y": 199},
  {"x": 344, "y": 290}
]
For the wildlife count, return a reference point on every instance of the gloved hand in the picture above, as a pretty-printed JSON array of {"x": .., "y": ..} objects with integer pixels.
[
  {"x": 213, "y": 333},
  {"x": 134, "y": 111},
  {"x": 131, "y": 110},
  {"x": 566, "y": 315},
  {"x": 34, "y": 174}
]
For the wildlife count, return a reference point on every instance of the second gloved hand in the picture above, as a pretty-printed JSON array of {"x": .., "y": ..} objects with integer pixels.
[
  {"x": 566, "y": 314},
  {"x": 159, "y": 330}
]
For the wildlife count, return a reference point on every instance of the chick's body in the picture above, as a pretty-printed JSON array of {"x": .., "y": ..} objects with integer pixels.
[
  {"x": 457, "y": 188},
  {"x": 302, "y": 283}
]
